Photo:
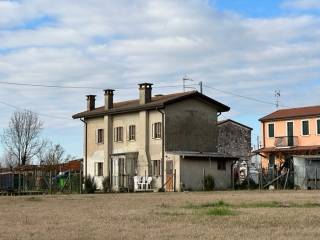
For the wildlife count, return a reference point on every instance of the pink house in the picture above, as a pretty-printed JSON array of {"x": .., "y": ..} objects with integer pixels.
[{"x": 288, "y": 132}]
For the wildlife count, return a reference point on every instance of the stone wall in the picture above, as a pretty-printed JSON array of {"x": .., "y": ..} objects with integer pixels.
[{"x": 234, "y": 139}]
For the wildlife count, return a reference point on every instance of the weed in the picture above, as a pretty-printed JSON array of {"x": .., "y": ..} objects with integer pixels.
[
  {"x": 220, "y": 211},
  {"x": 220, "y": 203},
  {"x": 273, "y": 204}
]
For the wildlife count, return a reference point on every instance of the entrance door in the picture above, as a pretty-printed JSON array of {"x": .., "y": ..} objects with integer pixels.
[
  {"x": 123, "y": 168},
  {"x": 169, "y": 175},
  {"x": 290, "y": 134}
]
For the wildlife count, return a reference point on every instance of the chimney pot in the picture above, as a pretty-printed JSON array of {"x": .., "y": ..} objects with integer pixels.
[
  {"x": 145, "y": 92},
  {"x": 108, "y": 99},
  {"x": 91, "y": 102}
]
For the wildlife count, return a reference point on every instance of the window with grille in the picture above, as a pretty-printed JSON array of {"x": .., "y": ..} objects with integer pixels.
[
  {"x": 318, "y": 126},
  {"x": 98, "y": 169},
  {"x": 132, "y": 133},
  {"x": 305, "y": 127},
  {"x": 155, "y": 168},
  {"x": 99, "y": 136},
  {"x": 118, "y": 134},
  {"x": 157, "y": 130}
]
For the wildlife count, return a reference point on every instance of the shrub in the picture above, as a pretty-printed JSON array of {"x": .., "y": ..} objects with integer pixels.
[
  {"x": 106, "y": 184},
  {"x": 89, "y": 184},
  {"x": 208, "y": 183}
]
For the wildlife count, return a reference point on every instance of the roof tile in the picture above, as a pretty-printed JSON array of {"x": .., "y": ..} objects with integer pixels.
[
  {"x": 293, "y": 113},
  {"x": 156, "y": 101}
]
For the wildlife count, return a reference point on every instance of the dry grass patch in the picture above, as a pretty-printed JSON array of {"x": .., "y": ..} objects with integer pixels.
[{"x": 195, "y": 215}]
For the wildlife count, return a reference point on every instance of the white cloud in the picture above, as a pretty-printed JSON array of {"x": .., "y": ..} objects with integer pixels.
[
  {"x": 121, "y": 43},
  {"x": 302, "y": 4}
]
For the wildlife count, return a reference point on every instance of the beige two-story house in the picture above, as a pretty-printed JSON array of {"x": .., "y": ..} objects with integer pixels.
[{"x": 171, "y": 138}]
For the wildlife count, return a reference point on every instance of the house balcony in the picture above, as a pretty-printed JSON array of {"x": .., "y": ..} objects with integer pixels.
[{"x": 286, "y": 141}]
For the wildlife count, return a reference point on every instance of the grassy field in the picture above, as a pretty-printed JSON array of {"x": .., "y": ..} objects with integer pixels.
[{"x": 193, "y": 215}]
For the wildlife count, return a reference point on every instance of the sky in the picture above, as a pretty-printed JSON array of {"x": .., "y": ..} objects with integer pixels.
[{"x": 244, "y": 47}]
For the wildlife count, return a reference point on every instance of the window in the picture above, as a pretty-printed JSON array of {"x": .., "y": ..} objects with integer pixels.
[
  {"x": 156, "y": 130},
  {"x": 99, "y": 136},
  {"x": 221, "y": 165},
  {"x": 271, "y": 130},
  {"x": 305, "y": 127},
  {"x": 318, "y": 126},
  {"x": 132, "y": 133},
  {"x": 118, "y": 134},
  {"x": 98, "y": 169},
  {"x": 155, "y": 167}
]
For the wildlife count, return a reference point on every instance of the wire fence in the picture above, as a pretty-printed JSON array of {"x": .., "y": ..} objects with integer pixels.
[{"x": 40, "y": 180}]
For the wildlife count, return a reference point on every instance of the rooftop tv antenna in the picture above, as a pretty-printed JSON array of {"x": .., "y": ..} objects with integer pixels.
[{"x": 185, "y": 79}]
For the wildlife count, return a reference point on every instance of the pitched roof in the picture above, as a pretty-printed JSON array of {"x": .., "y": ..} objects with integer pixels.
[
  {"x": 158, "y": 101},
  {"x": 292, "y": 113},
  {"x": 235, "y": 122}
]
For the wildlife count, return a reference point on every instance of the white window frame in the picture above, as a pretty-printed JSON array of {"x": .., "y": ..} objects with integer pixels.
[
  {"x": 97, "y": 136},
  {"x": 305, "y": 120},
  {"x": 318, "y": 119},
  {"x": 274, "y": 129}
]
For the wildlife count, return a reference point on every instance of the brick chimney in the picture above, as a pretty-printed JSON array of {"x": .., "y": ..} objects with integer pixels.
[
  {"x": 91, "y": 102},
  {"x": 145, "y": 92},
  {"x": 108, "y": 99}
]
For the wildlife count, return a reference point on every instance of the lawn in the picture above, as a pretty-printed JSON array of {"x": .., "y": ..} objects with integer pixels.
[{"x": 191, "y": 215}]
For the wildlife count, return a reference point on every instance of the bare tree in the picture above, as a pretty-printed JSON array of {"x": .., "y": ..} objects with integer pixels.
[
  {"x": 8, "y": 160},
  {"x": 52, "y": 154},
  {"x": 22, "y": 138}
]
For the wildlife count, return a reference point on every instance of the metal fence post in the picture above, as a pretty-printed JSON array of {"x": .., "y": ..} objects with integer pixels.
[{"x": 174, "y": 180}]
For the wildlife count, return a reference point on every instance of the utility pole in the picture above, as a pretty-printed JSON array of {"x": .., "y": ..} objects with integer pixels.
[
  {"x": 200, "y": 84},
  {"x": 277, "y": 96}
]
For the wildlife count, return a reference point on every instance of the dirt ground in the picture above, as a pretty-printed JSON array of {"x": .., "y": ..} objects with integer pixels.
[{"x": 192, "y": 215}]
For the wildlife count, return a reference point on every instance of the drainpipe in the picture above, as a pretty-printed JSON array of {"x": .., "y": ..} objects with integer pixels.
[
  {"x": 85, "y": 148},
  {"x": 162, "y": 150}
]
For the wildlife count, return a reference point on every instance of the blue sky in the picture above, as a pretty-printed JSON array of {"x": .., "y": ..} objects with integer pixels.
[
  {"x": 251, "y": 8},
  {"x": 247, "y": 47}
]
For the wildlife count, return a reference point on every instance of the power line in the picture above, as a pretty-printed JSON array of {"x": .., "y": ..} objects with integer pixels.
[
  {"x": 79, "y": 87},
  {"x": 47, "y": 86},
  {"x": 40, "y": 114},
  {"x": 242, "y": 96}
]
